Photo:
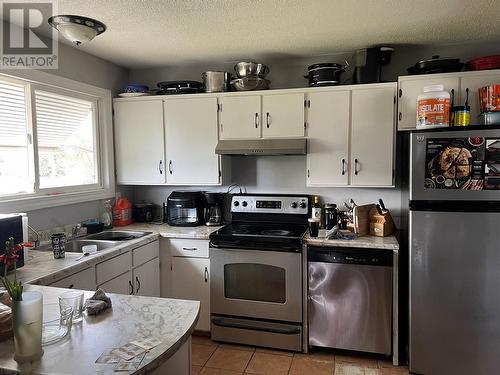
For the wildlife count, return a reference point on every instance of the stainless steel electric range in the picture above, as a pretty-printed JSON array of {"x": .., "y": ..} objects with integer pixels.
[{"x": 256, "y": 287}]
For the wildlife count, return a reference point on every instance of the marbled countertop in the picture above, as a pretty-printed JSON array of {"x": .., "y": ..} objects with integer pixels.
[
  {"x": 371, "y": 242},
  {"x": 201, "y": 232},
  {"x": 170, "y": 320},
  {"x": 41, "y": 268}
]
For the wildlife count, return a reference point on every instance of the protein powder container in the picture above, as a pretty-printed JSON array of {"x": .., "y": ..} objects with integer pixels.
[{"x": 433, "y": 108}]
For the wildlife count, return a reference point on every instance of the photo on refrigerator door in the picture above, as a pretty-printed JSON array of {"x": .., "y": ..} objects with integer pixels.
[
  {"x": 492, "y": 167},
  {"x": 455, "y": 163}
]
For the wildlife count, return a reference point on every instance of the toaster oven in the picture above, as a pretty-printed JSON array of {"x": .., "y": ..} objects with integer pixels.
[{"x": 185, "y": 208}]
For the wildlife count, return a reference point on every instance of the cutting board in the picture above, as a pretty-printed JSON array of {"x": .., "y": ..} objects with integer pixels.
[{"x": 361, "y": 219}]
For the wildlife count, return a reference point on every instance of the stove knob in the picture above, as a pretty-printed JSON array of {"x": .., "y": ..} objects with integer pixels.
[
  {"x": 236, "y": 203},
  {"x": 302, "y": 205},
  {"x": 244, "y": 204},
  {"x": 294, "y": 205}
]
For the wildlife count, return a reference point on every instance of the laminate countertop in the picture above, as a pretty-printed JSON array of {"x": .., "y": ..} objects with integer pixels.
[
  {"x": 201, "y": 232},
  {"x": 132, "y": 317},
  {"x": 42, "y": 269},
  {"x": 367, "y": 242}
]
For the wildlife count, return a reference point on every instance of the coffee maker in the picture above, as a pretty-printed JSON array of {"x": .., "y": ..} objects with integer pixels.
[{"x": 213, "y": 208}]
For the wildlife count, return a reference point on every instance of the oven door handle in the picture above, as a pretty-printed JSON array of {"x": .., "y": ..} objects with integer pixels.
[{"x": 221, "y": 322}]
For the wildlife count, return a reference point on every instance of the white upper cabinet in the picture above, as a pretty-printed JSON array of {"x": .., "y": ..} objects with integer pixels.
[
  {"x": 410, "y": 87},
  {"x": 372, "y": 136},
  {"x": 139, "y": 147},
  {"x": 240, "y": 117},
  {"x": 328, "y": 138},
  {"x": 283, "y": 115},
  {"x": 473, "y": 82},
  {"x": 190, "y": 139}
]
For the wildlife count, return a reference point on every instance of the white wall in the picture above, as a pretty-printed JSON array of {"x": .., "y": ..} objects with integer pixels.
[{"x": 287, "y": 71}]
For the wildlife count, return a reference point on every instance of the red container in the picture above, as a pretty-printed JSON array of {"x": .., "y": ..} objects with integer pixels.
[
  {"x": 489, "y": 98},
  {"x": 484, "y": 63},
  {"x": 122, "y": 213}
]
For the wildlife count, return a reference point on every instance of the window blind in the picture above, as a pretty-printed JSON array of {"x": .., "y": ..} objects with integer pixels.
[
  {"x": 59, "y": 119},
  {"x": 13, "y": 126}
]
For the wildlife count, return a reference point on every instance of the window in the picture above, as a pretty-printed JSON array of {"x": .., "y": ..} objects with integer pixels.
[
  {"x": 15, "y": 165},
  {"x": 66, "y": 142},
  {"x": 54, "y": 142}
]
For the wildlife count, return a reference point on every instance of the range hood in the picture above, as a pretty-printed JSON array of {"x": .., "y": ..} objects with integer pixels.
[{"x": 279, "y": 146}]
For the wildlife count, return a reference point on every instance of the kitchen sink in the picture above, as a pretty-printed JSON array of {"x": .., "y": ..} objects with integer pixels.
[
  {"x": 117, "y": 235},
  {"x": 75, "y": 246}
]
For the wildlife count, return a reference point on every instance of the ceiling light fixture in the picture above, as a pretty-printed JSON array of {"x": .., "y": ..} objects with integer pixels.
[{"x": 77, "y": 29}]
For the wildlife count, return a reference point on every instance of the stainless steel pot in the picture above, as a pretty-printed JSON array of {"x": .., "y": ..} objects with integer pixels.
[
  {"x": 216, "y": 81},
  {"x": 251, "y": 69}
]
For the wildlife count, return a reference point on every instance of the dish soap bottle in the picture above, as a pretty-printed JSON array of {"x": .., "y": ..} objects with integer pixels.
[
  {"x": 316, "y": 209},
  {"x": 107, "y": 214}
]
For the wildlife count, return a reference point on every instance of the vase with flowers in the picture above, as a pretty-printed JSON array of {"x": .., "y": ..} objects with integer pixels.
[{"x": 27, "y": 309}]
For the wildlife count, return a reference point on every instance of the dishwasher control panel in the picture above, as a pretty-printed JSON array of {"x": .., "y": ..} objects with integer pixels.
[{"x": 373, "y": 257}]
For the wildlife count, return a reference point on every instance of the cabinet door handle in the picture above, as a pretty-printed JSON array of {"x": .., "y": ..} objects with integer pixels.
[
  {"x": 131, "y": 287},
  {"x": 267, "y": 119},
  {"x": 190, "y": 248},
  {"x": 160, "y": 166},
  {"x": 356, "y": 170},
  {"x": 400, "y": 116},
  {"x": 256, "y": 120},
  {"x": 343, "y": 167},
  {"x": 170, "y": 166},
  {"x": 205, "y": 275},
  {"x": 138, "y": 284}
]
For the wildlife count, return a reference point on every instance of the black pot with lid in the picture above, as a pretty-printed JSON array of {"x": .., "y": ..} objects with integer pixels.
[
  {"x": 436, "y": 64},
  {"x": 325, "y": 74}
]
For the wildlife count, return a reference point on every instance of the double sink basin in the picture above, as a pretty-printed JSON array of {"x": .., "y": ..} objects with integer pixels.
[{"x": 103, "y": 240}]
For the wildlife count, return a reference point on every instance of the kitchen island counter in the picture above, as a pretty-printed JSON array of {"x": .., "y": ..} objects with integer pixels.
[{"x": 131, "y": 317}]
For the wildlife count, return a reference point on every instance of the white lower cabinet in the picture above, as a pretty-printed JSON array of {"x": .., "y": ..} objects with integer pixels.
[
  {"x": 191, "y": 280},
  {"x": 147, "y": 279},
  {"x": 121, "y": 284},
  {"x": 135, "y": 272},
  {"x": 83, "y": 280}
]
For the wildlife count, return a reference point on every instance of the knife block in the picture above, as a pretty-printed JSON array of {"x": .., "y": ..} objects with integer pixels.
[{"x": 381, "y": 225}]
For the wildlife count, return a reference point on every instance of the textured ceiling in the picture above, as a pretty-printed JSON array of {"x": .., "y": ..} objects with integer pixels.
[{"x": 152, "y": 33}]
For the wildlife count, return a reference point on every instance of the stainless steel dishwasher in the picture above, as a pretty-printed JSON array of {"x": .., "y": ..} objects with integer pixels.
[{"x": 350, "y": 298}]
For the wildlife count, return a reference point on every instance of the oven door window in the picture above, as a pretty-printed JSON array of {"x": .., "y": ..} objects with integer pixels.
[{"x": 255, "y": 282}]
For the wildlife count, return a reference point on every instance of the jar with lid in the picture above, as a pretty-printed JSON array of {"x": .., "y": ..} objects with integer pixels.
[
  {"x": 433, "y": 108},
  {"x": 330, "y": 215}
]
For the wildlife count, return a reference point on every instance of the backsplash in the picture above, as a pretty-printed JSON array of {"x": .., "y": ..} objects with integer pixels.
[{"x": 279, "y": 174}]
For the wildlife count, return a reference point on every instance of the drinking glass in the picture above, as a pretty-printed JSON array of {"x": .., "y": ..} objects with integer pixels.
[{"x": 74, "y": 300}]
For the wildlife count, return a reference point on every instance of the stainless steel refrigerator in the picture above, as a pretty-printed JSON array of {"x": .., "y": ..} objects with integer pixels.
[{"x": 454, "y": 252}]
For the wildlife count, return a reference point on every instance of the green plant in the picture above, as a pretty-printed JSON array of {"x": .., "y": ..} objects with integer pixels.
[{"x": 9, "y": 258}]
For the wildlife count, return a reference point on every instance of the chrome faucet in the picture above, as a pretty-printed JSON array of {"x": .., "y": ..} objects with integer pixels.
[
  {"x": 37, "y": 241},
  {"x": 75, "y": 231}
]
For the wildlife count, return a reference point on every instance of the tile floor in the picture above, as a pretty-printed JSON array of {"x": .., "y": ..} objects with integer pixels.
[{"x": 211, "y": 358}]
